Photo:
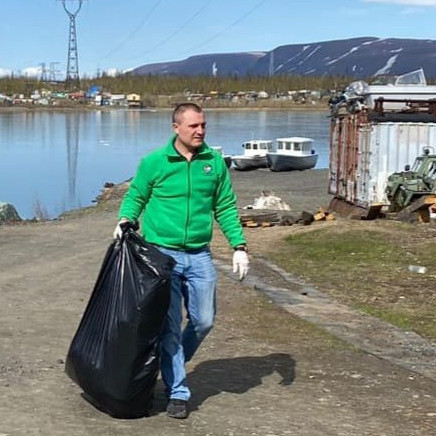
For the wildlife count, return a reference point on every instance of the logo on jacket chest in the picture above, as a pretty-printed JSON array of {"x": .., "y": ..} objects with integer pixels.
[{"x": 207, "y": 169}]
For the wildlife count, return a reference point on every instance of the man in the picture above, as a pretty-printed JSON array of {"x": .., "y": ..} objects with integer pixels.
[{"x": 179, "y": 189}]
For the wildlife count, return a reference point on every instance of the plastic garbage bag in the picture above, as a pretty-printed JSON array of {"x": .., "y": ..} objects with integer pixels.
[{"x": 114, "y": 355}]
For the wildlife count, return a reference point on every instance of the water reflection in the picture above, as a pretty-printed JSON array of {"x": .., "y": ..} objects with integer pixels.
[
  {"x": 62, "y": 159},
  {"x": 72, "y": 126}
]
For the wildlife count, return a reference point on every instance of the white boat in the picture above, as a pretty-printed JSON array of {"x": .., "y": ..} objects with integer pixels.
[
  {"x": 254, "y": 155},
  {"x": 293, "y": 153},
  {"x": 227, "y": 158}
]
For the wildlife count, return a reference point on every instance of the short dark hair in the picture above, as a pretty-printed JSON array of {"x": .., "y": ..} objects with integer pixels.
[{"x": 182, "y": 108}]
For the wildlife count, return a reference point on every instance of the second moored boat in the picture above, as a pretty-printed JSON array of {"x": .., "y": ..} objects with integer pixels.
[{"x": 293, "y": 153}]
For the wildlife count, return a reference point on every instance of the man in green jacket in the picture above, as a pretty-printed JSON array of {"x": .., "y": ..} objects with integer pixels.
[{"x": 180, "y": 189}]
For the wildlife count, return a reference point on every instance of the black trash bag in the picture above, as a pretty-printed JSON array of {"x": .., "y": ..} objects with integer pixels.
[{"x": 114, "y": 355}]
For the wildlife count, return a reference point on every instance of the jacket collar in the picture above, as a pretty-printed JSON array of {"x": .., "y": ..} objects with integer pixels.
[{"x": 170, "y": 149}]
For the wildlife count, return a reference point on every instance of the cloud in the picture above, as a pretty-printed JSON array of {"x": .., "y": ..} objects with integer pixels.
[
  {"x": 25, "y": 72},
  {"x": 405, "y": 2},
  {"x": 112, "y": 72},
  {"x": 31, "y": 71},
  {"x": 4, "y": 72}
]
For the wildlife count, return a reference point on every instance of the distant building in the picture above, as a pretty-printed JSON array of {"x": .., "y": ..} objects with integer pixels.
[
  {"x": 117, "y": 100},
  {"x": 93, "y": 91},
  {"x": 134, "y": 100}
]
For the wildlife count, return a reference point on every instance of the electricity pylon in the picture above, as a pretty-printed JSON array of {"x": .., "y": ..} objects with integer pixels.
[{"x": 72, "y": 79}]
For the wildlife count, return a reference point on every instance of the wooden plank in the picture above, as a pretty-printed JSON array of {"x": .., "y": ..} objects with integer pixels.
[
  {"x": 259, "y": 216},
  {"x": 319, "y": 216},
  {"x": 267, "y": 224},
  {"x": 250, "y": 224}
]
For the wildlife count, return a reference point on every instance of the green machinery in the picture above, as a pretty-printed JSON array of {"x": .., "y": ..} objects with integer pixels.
[{"x": 407, "y": 186}]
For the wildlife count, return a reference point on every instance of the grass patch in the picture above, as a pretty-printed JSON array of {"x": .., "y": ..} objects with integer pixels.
[
  {"x": 258, "y": 314},
  {"x": 366, "y": 267}
]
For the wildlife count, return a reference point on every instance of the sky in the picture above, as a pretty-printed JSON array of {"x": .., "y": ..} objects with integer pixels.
[{"x": 118, "y": 35}]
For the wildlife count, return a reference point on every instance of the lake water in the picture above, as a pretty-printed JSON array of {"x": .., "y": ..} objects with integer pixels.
[{"x": 60, "y": 161}]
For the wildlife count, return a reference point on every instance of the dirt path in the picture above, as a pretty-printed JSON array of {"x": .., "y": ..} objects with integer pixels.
[
  {"x": 262, "y": 371},
  {"x": 403, "y": 348}
]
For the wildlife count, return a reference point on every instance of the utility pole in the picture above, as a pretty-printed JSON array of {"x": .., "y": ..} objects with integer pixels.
[
  {"x": 43, "y": 77},
  {"x": 53, "y": 71},
  {"x": 72, "y": 79}
]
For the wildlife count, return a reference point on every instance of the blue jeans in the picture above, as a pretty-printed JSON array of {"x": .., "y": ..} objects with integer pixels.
[{"x": 193, "y": 283}]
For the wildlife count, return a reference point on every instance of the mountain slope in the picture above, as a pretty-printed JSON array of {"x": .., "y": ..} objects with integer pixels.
[
  {"x": 223, "y": 64},
  {"x": 357, "y": 57}
]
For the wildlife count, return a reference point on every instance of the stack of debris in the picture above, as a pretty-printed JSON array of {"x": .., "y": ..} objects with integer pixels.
[{"x": 269, "y": 210}]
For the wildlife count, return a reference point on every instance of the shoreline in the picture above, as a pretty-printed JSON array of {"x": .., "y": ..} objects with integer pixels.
[
  {"x": 302, "y": 190},
  {"x": 80, "y": 108}
]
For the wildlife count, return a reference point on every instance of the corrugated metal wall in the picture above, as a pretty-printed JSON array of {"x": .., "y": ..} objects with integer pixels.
[{"x": 364, "y": 154}]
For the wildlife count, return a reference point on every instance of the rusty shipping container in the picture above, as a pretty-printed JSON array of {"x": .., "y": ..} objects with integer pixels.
[{"x": 364, "y": 152}]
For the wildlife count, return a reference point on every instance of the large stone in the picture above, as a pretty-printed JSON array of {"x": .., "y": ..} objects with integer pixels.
[{"x": 8, "y": 213}]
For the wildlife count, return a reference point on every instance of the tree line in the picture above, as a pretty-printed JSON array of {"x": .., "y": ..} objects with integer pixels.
[{"x": 152, "y": 85}]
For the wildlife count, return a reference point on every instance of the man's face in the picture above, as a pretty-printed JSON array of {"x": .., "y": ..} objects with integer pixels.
[{"x": 191, "y": 128}]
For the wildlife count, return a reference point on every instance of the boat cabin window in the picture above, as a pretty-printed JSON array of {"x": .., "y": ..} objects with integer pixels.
[
  {"x": 294, "y": 146},
  {"x": 257, "y": 145},
  {"x": 284, "y": 146}
]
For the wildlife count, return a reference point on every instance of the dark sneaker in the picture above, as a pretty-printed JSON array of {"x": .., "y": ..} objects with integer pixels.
[{"x": 177, "y": 409}]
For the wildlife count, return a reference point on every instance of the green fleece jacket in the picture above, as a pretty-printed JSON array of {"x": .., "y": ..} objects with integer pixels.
[{"x": 179, "y": 199}]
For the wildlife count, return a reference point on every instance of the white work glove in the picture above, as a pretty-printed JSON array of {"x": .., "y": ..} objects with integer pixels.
[
  {"x": 118, "y": 232},
  {"x": 240, "y": 263}
]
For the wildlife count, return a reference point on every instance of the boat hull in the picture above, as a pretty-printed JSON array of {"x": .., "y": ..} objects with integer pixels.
[
  {"x": 284, "y": 162},
  {"x": 247, "y": 163}
]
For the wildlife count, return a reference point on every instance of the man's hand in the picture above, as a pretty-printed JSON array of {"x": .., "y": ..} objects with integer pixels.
[
  {"x": 240, "y": 263},
  {"x": 118, "y": 232}
]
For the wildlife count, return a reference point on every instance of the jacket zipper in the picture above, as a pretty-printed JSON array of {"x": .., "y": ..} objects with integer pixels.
[{"x": 188, "y": 202}]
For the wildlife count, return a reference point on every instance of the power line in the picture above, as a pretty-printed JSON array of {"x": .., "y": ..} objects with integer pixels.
[
  {"x": 177, "y": 31},
  {"x": 53, "y": 71},
  {"x": 134, "y": 31},
  {"x": 182, "y": 27},
  {"x": 234, "y": 23}
]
